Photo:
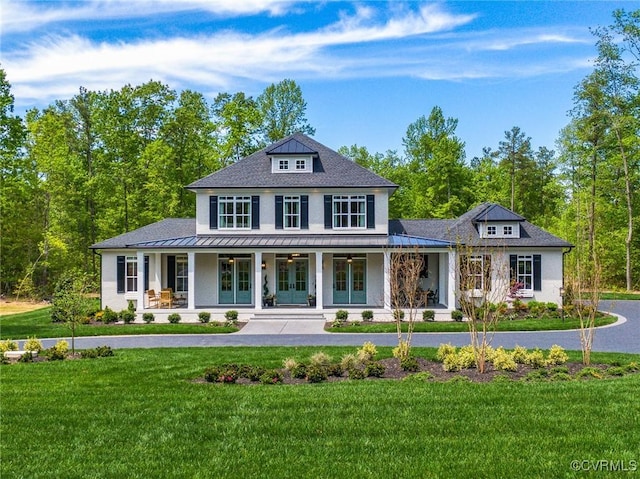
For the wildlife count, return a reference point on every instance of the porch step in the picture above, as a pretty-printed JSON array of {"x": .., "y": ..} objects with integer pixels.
[{"x": 286, "y": 316}]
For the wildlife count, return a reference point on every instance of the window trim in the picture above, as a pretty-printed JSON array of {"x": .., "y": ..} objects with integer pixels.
[
  {"x": 360, "y": 215},
  {"x": 182, "y": 279},
  {"x": 288, "y": 217},
  {"x": 131, "y": 260},
  {"x": 235, "y": 216}
]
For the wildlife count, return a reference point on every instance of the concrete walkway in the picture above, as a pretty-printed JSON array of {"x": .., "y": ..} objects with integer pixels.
[{"x": 623, "y": 336}]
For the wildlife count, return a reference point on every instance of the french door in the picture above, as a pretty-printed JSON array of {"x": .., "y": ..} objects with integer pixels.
[
  {"x": 292, "y": 282},
  {"x": 349, "y": 281},
  {"x": 235, "y": 281}
]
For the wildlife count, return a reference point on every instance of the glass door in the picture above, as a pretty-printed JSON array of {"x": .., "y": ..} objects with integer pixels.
[
  {"x": 235, "y": 281},
  {"x": 349, "y": 281},
  {"x": 292, "y": 281}
]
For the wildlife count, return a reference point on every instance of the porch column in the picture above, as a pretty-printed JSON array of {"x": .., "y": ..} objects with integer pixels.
[
  {"x": 319, "y": 281},
  {"x": 140, "y": 281},
  {"x": 386, "y": 282},
  {"x": 157, "y": 272},
  {"x": 191, "y": 280},
  {"x": 453, "y": 280},
  {"x": 257, "y": 281}
]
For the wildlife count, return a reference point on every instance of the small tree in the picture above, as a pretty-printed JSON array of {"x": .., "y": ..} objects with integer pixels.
[
  {"x": 71, "y": 304},
  {"x": 406, "y": 294},
  {"x": 483, "y": 280},
  {"x": 584, "y": 284}
]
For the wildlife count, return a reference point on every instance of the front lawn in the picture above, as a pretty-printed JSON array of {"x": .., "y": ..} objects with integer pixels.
[
  {"x": 140, "y": 414},
  {"x": 462, "y": 327},
  {"x": 38, "y": 323},
  {"x": 613, "y": 295}
]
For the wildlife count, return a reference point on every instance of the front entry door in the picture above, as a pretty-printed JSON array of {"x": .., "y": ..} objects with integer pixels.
[
  {"x": 349, "y": 281},
  {"x": 292, "y": 283},
  {"x": 235, "y": 281}
]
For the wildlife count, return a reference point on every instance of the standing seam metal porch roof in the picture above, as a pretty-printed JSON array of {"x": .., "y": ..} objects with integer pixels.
[{"x": 330, "y": 170}]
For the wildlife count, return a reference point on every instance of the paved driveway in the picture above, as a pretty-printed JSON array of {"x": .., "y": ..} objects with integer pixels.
[{"x": 623, "y": 336}]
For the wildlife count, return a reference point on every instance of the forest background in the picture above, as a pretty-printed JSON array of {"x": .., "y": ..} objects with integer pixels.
[{"x": 106, "y": 162}]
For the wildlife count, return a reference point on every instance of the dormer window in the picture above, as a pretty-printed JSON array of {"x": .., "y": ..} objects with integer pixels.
[
  {"x": 292, "y": 164},
  {"x": 491, "y": 230},
  {"x": 507, "y": 230}
]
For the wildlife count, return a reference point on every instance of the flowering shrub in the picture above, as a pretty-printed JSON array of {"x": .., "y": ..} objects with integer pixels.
[
  {"x": 8, "y": 345},
  {"x": 271, "y": 377},
  {"x": 514, "y": 289}
]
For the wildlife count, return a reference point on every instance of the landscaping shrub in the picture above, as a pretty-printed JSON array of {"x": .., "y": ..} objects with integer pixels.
[
  {"x": 204, "y": 316},
  {"x": 367, "y": 315},
  {"x": 559, "y": 369},
  {"x": 232, "y": 317},
  {"x": 467, "y": 357},
  {"x": 538, "y": 375},
  {"x": 459, "y": 379},
  {"x": 349, "y": 360},
  {"x": 428, "y": 315},
  {"x": 289, "y": 363},
  {"x": 58, "y": 351},
  {"x": 398, "y": 315},
  {"x": 503, "y": 361},
  {"x": 445, "y": 350},
  {"x": 254, "y": 373},
  {"x": 27, "y": 357},
  {"x": 632, "y": 367},
  {"x": 227, "y": 373},
  {"x": 356, "y": 373},
  {"x": 535, "y": 359},
  {"x": 128, "y": 316},
  {"x": 561, "y": 377},
  {"x": 8, "y": 345},
  {"x": 131, "y": 307},
  {"x": 520, "y": 306},
  {"x": 148, "y": 317},
  {"x": 410, "y": 364},
  {"x": 32, "y": 344},
  {"x": 501, "y": 378},
  {"x": 316, "y": 373},
  {"x": 367, "y": 352},
  {"x": 320, "y": 359},
  {"x": 299, "y": 371},
  {"x": 342, "y": 315},
  {"x": 556, "y": 356},
  {"x": 335, "y": 370},
  {"x": 401, "y": 350},
  {"x": 99, "y": 352},
  {"x": 589, "y": 373},
  {"x": 536, "y": 308},
  {"x": 109, "y": 315},
  {"x": 456, "y": 315},
  {"x": 174, "y": 318},
  {"x": 374, "y": 370},
  {"x": 520, "y": 354},
  {"x": 271, "y": 377},
  {"x": 616, "y": 371},
  {"x": 552, "y": 307}
]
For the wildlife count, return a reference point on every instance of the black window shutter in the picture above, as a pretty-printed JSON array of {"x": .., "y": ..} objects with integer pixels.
[
  {"x": 513, "y": 262},
  {"x": 537, "y": 272},
  {"x": 171, "y": 272},
  {"x": 304, "y": 212},
  {"x": 120, "y": 269},
  {"x": 146, "y": 273},
  {"x": 279, "y": 212},
  {"x": 213, "y": 212},
  {"x": 371, "y": 211},
  {"x": 487, "y": 272},
  {"x": 255, "y": 212},
  {"x": 328, "y": 213}
]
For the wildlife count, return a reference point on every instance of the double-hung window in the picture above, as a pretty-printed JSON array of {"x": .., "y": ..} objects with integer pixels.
[
  {"x": 475, "y": 273},
  {"x": 291, "y": 212},
  {"x": 525, "y": 271},
  {"x": 182, "y": 274},
  {"x": 131, "y": 274},
  {"x": 349, "y": 211},
  {"x": 234, "y": 212}
]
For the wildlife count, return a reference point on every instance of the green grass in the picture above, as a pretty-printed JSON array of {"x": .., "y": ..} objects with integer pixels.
[
  {"x": 462, "y": 327},
  {"x": 38, "y": 323},
  {"x": 139, "y": 415},
  {"x": 612, "y": 296}
]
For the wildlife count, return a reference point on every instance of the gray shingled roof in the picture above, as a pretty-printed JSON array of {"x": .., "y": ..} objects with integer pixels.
[
  {"x": 494, "y": 212},
  {"x": 462, "y": 230},
  {"x": 330, "y": 170}
]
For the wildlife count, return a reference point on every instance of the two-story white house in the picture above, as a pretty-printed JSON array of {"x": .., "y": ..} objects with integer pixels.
[{"x": 296, "y": 220}]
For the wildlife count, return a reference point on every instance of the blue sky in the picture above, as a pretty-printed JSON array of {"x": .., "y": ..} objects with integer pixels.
[{"x": 367, "y": 69}]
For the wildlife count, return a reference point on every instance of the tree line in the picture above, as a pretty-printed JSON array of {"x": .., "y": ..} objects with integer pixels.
[{"x": 106, "y": 162}]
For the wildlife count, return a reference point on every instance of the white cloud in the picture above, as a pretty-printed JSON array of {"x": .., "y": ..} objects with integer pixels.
[{"x": 21, "y": 15}]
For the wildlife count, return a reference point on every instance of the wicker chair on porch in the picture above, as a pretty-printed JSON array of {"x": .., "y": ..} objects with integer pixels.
[{"x": 166, "y": 298}]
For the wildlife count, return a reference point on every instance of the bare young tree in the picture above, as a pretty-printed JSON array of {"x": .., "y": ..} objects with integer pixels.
[
  {"x": 406, "y": 294},
  {"x": 484, "y": 280}
]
